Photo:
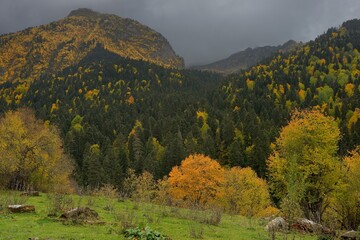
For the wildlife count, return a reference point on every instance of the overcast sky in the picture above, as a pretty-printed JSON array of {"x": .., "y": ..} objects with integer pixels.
[{"x": 201, "y": 31}]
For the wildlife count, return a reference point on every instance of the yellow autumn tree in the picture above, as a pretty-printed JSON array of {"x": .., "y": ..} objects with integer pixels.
[
  {"x": 304, "y": 168},
  {"x": 31, "y": 154},
  {"x": 245, "y": 193},
  {"x": 345, "y": 205},
  {"x": 197, "y": 182}
]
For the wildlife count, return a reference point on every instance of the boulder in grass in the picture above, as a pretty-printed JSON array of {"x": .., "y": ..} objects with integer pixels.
[
  {"x": 277, "y": 224},
  {"x": 21, "y": 208},
  {"x": 351, "y": 235},
  {"x": 84, "y": 214},
  {"x": 306, "y": 225}
]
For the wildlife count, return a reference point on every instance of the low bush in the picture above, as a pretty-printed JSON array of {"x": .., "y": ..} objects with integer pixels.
[
  {"x": 59, "y": 203},
  {"x": 144, "y": 234}
]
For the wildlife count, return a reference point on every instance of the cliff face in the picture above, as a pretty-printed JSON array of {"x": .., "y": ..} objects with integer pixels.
[{"x": 55, "y": 46}]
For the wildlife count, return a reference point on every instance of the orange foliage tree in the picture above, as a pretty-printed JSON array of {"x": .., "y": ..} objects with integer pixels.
[{"x": 197, "y": 182}]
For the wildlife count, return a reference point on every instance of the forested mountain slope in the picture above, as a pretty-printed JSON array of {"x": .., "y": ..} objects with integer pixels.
[
  {"x": 323, "y": 73},
  {"x": 60, "y": 44},
  {"x": 116, "y": 113},
  {"x": 135, "y": 113}
]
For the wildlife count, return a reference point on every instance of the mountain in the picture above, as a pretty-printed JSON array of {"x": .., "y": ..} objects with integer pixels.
[
  {"x": 323, "y": 73},
  {"x": 110, "y": 100},
  {"x": 25, "y": 55},
  {"x": 148, "y": 117},
  {"x": 247, "y": 58}
]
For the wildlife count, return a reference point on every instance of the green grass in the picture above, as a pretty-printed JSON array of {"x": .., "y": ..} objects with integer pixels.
[{"x": 173, "y": 222}]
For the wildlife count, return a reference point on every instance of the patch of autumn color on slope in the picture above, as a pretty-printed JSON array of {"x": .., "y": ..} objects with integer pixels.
[{"x": 25, "y": 55}]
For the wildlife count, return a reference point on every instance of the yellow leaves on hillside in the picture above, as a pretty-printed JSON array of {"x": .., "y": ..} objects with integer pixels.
[
  {"x": 197, "y": 182},
  {"x": 32, "y": 154},
  {"x": 159, "y": 150},
  {"x": 10, "y": 95},
  {"x": 352, "y": 168},
  {"x": 349, "y": 89},
  {"x": 302, "y": 95},
  {"x": 310, "y": 69},
  {"x": 54, "y": 107},
  {"x": 304, "y": 166},
  {"x": 245, "y": 193},
  {"x": 64, "y": 43},
  {"x": 130, "y": 100},
  {"x": 306, "y": 49},
  {"x": 281, "y": 89},
  {"x": 309, "y": 124},
  {"x": 202, "y": 116},
  {"x": 345, "y": 201},
  {"x": 322, "y": 61},
  {"x": 250, "y": 84},
  {"x": 353, "y": 118},
  {"x": 334, "y": 35},
  {"x": 91, "y": 94},
  {"x": 201, "y": 182},
  {"x": 138, "y": 127}
]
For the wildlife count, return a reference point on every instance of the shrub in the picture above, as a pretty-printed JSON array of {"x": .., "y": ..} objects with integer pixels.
[
  {"x": 144, "y": 234},
  {"x": 109, "y": 192},
  {"x": 59, "y": 203},
  {"x": 140, "y": 188}
]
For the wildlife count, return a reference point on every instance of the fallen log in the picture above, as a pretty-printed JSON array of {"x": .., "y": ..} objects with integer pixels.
[
  {"x": 21, "y": 208},
  {"x": 81, "y": 214}
]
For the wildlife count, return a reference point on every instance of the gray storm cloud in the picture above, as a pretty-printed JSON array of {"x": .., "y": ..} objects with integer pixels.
[{"x": 201, "y": 31}]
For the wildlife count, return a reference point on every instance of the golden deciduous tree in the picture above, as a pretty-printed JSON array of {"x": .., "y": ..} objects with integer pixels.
[
  {"x": 304, "y": 168},
  {"x": 345, "y": 204},
  {"x": 245, "y": 193},
  {"x": 31, "y": 154},
  {"x": 197, "y": 181}
]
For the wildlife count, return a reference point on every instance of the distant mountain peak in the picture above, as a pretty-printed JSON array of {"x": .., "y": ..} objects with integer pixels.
[
  {"x": 26, "y": 54},
  {"x": 290, "y": 43},
  {"x": 83, "y": 12},
  {"x": 247, "y": 58}
]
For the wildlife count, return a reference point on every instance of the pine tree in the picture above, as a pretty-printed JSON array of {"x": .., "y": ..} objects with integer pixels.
[{"x": 93, "y": 172}]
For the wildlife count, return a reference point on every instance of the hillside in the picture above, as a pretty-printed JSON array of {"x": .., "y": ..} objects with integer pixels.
[
  {"x": 177, "y": 223},
  {"x": 25, "y": 55},
  {"x": 112, "y": 98},
  {"x": 324, "y": 73},
  {"x": 247, "y": 58},
  {"x": 150, "y": 118}
]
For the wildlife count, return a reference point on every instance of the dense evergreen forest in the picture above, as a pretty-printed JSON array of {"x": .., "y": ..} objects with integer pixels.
[{"x": 115, "y": 113}]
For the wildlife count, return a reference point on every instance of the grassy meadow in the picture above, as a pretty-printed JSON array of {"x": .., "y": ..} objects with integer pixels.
[{"x": 116, "y": 215}]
